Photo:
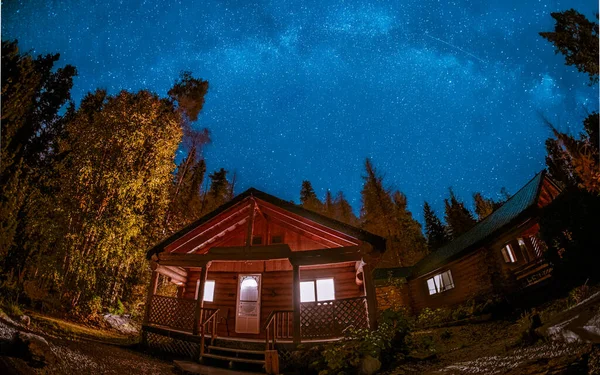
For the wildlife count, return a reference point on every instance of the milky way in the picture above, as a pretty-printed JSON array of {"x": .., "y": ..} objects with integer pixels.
[{"x": 437, "y": 95}]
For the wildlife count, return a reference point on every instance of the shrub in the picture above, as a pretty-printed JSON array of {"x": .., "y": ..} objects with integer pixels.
[
  {"x": 382, "y": 343},
  {"x": 119, "y": 309},
  {"x": 429, "y": 317},
  {"x": 13, "y": 310}
]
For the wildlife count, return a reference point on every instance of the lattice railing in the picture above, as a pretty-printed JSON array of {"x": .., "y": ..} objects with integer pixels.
[
  {"x": 172, "y": 312},
  {"x": 320, "y": 320},
  {"x": 165, "y": 344}
]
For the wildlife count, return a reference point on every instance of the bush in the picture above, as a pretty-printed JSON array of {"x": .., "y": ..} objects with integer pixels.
[
  {"x": 382, "y": 344},
  {"x": 428, "y": 317},
  {"x": 13, "y": 310},
  {"x": 119, "y": 309}
]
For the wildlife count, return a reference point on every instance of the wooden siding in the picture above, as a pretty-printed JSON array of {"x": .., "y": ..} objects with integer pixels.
[
  {"x": 471, "y": 276},
  {"x": 276, "y": 288}
]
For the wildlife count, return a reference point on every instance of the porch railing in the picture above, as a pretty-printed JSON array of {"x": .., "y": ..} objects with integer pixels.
[
  {"x": 172, "y": 312},
  {"x": 208, "y": 326},
  {"x": 318, "y": 320},
  {"x": 279, "y": 326},
  {"x": 328, "y": 319}
]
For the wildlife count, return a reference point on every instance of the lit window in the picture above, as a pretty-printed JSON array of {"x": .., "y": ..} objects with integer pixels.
[
  {"x": 209, "y": 290},
  {"x": 325, "y": 290},
  {"x": 509, "y": 254},
  {"x": 440, "y": 283},
  {"x": 319, "y": 290},
  {"x": 307, "y": 291}
]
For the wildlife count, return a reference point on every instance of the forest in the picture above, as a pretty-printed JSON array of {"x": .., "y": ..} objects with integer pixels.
[{"x": 86, "y": 188}]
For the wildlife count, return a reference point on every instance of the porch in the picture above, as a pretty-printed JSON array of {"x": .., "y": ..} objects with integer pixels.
[{"x": 281, "y": 316}]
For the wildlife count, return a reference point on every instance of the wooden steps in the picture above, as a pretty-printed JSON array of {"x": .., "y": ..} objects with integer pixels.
[
  {"x": 244, "y": 351},
  {"x": 235, "y": 355},
  {"x": 234, "y": 359}
]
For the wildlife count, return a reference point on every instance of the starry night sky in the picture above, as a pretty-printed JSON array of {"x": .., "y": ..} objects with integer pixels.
[{"x": 437, "y": 95}]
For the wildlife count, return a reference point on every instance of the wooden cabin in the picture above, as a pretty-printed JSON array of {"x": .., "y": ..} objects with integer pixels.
[
  {"x": 502, "y": 254},
  {"x": 260, "y": 269}
]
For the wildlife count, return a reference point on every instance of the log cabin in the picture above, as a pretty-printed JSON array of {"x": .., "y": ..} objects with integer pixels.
[
  {"x": 500, "y": 255},
  {"x": 260, "y": 269}
]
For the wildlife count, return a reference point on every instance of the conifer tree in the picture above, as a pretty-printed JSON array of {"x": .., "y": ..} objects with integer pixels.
[
  {"x": 483, "y": 206},
  {"x": 219, "y": 191},
  {"x": 377, "y": 214},
  {"x": 408, "y": 236},
  {"x": 308, "y": 197},
  {"x": 343, "y": 210},
  {"x": 458, "y": 217},
  {"x": 576, "y": 38},
  {"x": 434, "y": 229},
  {"x": 329, "y": 207}
]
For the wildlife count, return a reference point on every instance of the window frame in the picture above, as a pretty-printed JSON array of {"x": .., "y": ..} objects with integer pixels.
[
  {"x": 438, "y": 283},
  {"x": 316, "y": 290},
  {"x": 508, "y": 253},
  {"x": 204, "y": 295}
]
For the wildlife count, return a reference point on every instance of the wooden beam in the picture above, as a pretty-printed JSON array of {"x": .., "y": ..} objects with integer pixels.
[
  {"x": 325, "y": 256},
  {"x": 296, "y": 303},
  {"x": 199, "y": 301},
  {"x": 371, "y": 295},
  {"x": 217, "y": 223},
  {"x": 151, "y": 293},
  {"x": 312, "y": 226},
  {"x": 322, "y": 240},
  {"x": 221, "y": 234},
  {"x": 250, "y": 229},
  {"x": 279, "y": 251},
  {"x": 267, "y": 252},
  {"x": 176, "y": 277}
]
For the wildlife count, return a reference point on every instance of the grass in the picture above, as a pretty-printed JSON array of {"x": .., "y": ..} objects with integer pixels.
[{"x": 70, "y": 330}]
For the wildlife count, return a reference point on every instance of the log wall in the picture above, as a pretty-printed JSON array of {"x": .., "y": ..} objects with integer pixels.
[
  {"x": 472, "y": 278},
  {"x": 276, "y": 288}
]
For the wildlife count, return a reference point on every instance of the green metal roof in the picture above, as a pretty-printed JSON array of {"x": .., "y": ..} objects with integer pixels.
[{"x": 513, "y": 209}]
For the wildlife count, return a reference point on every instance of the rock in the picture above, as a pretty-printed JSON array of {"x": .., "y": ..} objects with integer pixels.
[
  {"x": 121, "y": 323},
  {"x": 25, "y": 320},
  {"x": 33, "y": 348},
  {"x": 369, "y": 365}
]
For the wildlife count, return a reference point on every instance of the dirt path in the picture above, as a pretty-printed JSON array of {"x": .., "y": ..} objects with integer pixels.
[{"x": 81, "y": 356}]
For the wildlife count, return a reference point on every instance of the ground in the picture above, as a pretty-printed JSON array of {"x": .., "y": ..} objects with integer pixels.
[
  {"x": 82, "y": 350},
  {"x": 491, "y": 347}
]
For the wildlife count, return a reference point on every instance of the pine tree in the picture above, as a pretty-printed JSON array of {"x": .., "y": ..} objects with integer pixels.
[
  {"x": 575, "y": 161},
  {"x": 458, "y": 217},
  {"x": 434, "y": 229},
  {"x": 308, "y": 197},
  {"x": 219, "y": 191},
  {"x": 329, "y": 208},
  {"x": 343, "y": 210},
  {"x": 377, "y": 212},
  {"x": 576, "y": 38},
  {"x": 408, "y": 234},
  {"x": 483, "y": 206}
]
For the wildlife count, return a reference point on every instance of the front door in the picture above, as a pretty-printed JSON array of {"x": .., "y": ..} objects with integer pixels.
[{"x": 247, "y": 317}]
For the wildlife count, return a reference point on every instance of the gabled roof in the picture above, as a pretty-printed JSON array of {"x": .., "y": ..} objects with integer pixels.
[
  {"x": 239, "y": 205},
  {"x": 519, "y": 206}
]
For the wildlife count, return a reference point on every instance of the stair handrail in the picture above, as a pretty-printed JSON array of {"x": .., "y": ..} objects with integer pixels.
[
  {"x": 213, "y": 332},
  {"x": 271, "y": 327}
]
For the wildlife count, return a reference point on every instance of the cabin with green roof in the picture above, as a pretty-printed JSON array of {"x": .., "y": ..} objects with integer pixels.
[{"x": 502, "y": 254}]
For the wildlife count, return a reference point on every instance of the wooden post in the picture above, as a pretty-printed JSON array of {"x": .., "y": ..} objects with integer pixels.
[
  {"x": 371, "y": 294},
  {"x": 296, "y": 302},
  {"x": 199, "y": 300},
  {"x": 250, "y": 229},
  {"x": 151, "y": 293}
]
